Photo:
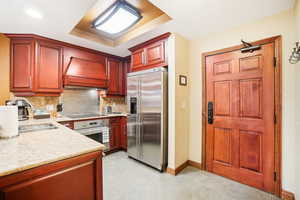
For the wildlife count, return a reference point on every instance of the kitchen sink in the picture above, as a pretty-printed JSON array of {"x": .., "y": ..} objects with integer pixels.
[{"x": 36, "y": 127}]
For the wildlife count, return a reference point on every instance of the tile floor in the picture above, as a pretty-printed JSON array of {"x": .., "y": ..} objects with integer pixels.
[{"x": 126, "y": 179}]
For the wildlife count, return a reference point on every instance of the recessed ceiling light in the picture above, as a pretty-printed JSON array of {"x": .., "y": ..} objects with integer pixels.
[
  {"x": 34, "y": 13},
  {"x": 117, "y": 18}
]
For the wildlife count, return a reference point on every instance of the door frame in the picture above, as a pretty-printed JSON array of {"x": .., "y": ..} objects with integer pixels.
[{"x": 277, "y": 40}]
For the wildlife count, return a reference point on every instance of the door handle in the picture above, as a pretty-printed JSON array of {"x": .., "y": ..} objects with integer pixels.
[{"x": 210, "y": 113}]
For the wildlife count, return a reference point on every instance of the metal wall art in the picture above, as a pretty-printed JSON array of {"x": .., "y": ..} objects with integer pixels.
[{"x": 295, "y": 57}]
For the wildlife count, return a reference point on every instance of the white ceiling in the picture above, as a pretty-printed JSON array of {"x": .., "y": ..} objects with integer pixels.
[{"x": 191, "y": 18}]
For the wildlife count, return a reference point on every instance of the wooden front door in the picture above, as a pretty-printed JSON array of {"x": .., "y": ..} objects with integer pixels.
[{"x": 240, "y": 136}]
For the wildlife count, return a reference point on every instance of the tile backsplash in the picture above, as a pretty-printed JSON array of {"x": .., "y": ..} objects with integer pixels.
[
  {"x": 42, "y": 102},
  {"x": 118, "y": 104}
]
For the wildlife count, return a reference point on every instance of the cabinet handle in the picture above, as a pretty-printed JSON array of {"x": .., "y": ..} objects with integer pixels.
[
  {"x": 143, "y": 57},
  {"x": 30, "y": 82}
]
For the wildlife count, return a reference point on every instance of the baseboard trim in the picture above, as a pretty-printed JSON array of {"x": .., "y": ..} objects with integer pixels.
[
  {"x": 195, "y": 164},
  {"x": 178, "y": 169},
  {"x": 286, "y": 195},
  {"x": 183, "y": 166}
]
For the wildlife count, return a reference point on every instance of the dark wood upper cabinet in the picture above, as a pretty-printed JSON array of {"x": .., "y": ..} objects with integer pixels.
[
  {"x": 117, "y": 77},
  {"x": 21, "y": 70},
  {"x": 48, "y": 69},
  {"x": 36, "y": 67},
  {"x": 155, "y": 54},
  {"x": 84, "y": 68},
  {"x": 150, "y": 54},
  {"x": 114, "y": 83},
  {"x": 138, "y": 58}
]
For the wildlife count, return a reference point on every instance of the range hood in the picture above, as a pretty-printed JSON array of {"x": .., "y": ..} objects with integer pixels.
[{"x": 86, "y": 73}]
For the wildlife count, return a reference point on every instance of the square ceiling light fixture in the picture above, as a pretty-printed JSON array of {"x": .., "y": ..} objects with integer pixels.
[{"x": 118, "y": 18}]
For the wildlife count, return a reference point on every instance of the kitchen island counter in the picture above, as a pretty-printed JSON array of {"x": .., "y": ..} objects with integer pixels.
[{"x": 34, "y": 149}]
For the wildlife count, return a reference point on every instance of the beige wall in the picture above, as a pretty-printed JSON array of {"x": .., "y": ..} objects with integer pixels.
[
  {"x": 178, "y": 101},
  {"x": 181, "y": 101},
  {"x": 297, "y": 157},
  {"x": 281, "y": 24},
  {"x": 4, "y": 69}
]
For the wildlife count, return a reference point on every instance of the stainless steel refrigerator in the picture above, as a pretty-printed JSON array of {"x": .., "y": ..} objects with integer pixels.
[{"x": 147, "y": 120}]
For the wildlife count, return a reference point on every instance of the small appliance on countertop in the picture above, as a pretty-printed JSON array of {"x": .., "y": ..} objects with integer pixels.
[
  {"x": 107, "y": 110},
  {"x": 9, "y": 121},
  {"x": 22, "y": 105}
]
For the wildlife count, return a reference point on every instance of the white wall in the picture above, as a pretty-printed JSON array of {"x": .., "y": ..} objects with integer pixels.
[{"x": 280, "y": 24}]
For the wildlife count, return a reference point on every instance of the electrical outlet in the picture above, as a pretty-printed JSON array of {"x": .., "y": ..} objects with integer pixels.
[{"x": 50, "y": 107}]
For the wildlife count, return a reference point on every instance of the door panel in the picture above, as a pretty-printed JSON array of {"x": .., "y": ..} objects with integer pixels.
[
  {"x": 240, "y": 142},
  {"x": 252, "y": 63},
  {"x": 151, "y": 94},
  {"x": 222, "y": 98},
  {"x": 250, "y": 151},
  {"x": 222, "y": 145},
  {"x": 250, "y": 98},
  {"x": 133, "y": 118},
  {"x": 224, "y": 67}
]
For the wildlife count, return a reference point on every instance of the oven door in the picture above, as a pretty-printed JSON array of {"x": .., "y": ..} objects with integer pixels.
[{"x": 99, "y": 134}]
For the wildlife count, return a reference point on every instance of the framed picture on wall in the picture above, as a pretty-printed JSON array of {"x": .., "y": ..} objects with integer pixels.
[{"x": 182, "y": 80}]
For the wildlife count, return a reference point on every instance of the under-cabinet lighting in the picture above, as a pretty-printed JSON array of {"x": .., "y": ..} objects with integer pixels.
[{"x": 117, "y": 18}]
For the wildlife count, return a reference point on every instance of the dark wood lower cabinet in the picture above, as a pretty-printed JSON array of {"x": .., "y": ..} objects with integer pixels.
[
  {"x": 118, "y": 133},
  {"x": 77, "y": 178},
  {"x": 123, "y": 135},
  {"x": 115, "y": 130}
]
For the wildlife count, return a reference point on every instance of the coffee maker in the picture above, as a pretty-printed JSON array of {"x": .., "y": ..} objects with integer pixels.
[{"x": 23, "y": 106}]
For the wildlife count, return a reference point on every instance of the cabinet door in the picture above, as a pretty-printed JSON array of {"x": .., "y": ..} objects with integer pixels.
[
  {"x": 115, "y": 80},
  {"x": 155, "y": 54},
  {"x": 114, "y": 133},
  {"x": 137, "y": 59},
  {"x": 57, "y": 181},
  {"x": 21, "y": 69},
  {"x": 123, "y": 136},
  {"x": 123, "y": 77},
  {"x": 48, "y": 68}
]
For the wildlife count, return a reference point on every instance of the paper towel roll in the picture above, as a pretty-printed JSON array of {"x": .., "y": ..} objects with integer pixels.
[{"x": 9, "y": 124}]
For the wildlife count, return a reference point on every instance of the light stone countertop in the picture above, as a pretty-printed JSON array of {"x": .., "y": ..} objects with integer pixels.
[
  {"x": 38, "y": 148},
  {"x": 65, "y": 119}
]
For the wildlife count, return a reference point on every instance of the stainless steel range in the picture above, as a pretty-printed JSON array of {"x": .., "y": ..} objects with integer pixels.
[
  {"x": 95, "y": 129},
  {"x": 83, "y": 115}
]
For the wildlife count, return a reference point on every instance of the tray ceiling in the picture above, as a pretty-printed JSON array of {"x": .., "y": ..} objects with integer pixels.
[{"x": 192, "y": 19}]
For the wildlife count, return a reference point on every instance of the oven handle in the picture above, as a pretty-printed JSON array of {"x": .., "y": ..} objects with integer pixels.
[{"x": 85, "y": 132}]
